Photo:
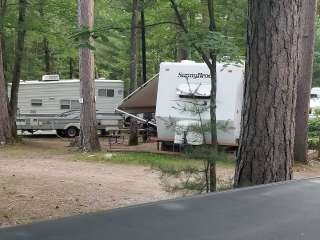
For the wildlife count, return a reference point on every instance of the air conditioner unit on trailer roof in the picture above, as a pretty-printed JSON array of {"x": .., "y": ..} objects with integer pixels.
[{"x": 55, "y": 77}]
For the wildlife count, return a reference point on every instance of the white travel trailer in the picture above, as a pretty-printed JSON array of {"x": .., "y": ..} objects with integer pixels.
[
  {"x": 314, "y": 102},
  {"x": 186, "y": 83},
  {"x": 190, "y": 81},
  {"x": 52, "y": 104}
]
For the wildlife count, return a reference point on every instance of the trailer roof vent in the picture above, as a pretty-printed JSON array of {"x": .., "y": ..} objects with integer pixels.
[{"x": 48, "y": 78}]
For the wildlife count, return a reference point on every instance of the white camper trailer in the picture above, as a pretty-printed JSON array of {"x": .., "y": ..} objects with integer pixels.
[
  {"x": 53, "y": 104},
  {"x": 183, "y": 83},
  {"x": 191, "y": 81},
  {"x": 314, "y": 102}
]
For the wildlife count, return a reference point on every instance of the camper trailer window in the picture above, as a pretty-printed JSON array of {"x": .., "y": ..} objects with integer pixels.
[
  {"x": 196, "y": 91},
  {"x": 65, "y": 104},
  {"x": 36, "y": 102},
  {"x": 102, "y": 92},
  {"x": 110, "y": 92},
  {"x": 69, "y": 104},
  {"x": 75, "y": 105},
  {"x": 106, "y": 92}
]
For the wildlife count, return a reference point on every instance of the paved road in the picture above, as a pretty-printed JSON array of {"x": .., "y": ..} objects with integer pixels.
[{"x": 274, "y": 212}]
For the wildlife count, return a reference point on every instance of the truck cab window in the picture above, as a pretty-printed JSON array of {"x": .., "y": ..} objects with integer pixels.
[{"x": 36, "y": 102}]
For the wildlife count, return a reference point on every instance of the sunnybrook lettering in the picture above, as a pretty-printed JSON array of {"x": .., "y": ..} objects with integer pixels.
[{"x": 194, "y": 75}]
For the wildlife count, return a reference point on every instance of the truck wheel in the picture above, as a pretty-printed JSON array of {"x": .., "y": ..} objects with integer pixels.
[
  {"x": 61, "y": 133},
  {"x": 72, "y": 132}
]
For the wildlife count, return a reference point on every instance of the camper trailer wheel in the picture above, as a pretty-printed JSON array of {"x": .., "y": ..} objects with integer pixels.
[
  {"x": 31, "y": 131},
  {"x": 72, "y": 132},
  {"x": 61, "y": 133}
]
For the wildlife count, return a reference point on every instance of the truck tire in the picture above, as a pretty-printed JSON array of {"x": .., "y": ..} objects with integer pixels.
[{"x": 72, "y": 132}]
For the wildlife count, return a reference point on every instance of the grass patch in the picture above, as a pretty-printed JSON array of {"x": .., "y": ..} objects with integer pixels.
[
  {"x": 165, "y": 163},
  {"x": 29, "y": 148}
]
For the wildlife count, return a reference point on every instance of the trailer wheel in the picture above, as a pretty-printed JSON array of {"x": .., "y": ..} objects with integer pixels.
[
  {"x": 61, "y": 133},
  {"x": 72, "y": 132}
]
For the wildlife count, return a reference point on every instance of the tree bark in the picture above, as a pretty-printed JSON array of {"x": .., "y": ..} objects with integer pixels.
[
  {"x": 16, "y": 74},
  {"x": 266, "y": 148},
  {"x": 134, "y": 46},
  {"x": 88, "y": 123},
  {"x": 307, "y": 23},
  {"x": 5, "y": 124}
]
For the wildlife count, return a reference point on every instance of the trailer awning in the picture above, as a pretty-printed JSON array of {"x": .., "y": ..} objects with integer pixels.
[{"x": 143, "y": 100}]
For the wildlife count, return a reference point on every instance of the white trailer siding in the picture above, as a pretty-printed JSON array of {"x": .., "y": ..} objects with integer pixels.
[
  {"x": 45, "y": 98},
  {"x": 229, "y": 98}
]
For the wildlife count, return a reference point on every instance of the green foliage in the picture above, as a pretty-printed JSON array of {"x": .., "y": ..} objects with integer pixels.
[
  {"x": 162, "y": 162},
  {"x": 316, "y": 66},
  {"x": 314, "y": 131},
  {"x": 58, "y": 23}
]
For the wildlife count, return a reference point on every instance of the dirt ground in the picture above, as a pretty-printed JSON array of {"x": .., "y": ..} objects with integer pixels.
[
  {"x": 36, "y": 187},
  {"x": 42, "y": 181}
]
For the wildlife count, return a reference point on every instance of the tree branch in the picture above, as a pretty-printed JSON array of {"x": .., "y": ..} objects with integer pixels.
[{"x": 205, "y": 58}]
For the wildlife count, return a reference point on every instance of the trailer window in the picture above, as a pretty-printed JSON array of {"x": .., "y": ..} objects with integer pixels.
[
  {"x": 75, "y": 105},
  {"x": 110, "y": 92},
  {"x": 65, "y": 104},
  {"x": 102, "y": 92},
  {"x": 69, "y": 105},
  {"x": 195, "y": 91},
  {"x": 106, "y": 92},
  {"x": 36, "y": 102}
]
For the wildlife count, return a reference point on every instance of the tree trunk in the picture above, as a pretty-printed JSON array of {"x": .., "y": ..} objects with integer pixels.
[
  {"x": 266, "y": 148},
  {"x": 71, "y": 68},
  {"x": 210, "y": 61},
  {"x": 88, "y": 123},
  {"x": 307, "y": 23},
  {"x": 3, "y": 11},
  {"x": 45, "y": 43},
  {"x": 133, "y": 138},
  {"x": 134, "y": 46},
  {"x": 5, "y": 124},
  {"x": 182, "y": 52},
  {"x": 213, "y": 100},
  {"x": 16, "y": 75},
  {"x": 143, "y": 45},
  {"x": 47, "y": 57}
]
